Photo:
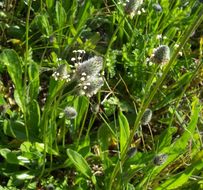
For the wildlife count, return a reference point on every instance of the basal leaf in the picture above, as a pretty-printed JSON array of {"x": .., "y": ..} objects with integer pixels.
[
  {"x": 33, "y": 72},
  {"x": 10, "y": 156},
  {"x": 79, "y": 162},
  {"x": 124, "y": 130},
  {"x": 34, "y": 117},
  {"x": 11, "y": 60}
]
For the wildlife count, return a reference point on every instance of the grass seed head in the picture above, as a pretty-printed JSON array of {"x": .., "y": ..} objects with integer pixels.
[
  {"x": 147, "y": 116},
  {"x": 70, "y": 112},
  {"x": 161, "y": 55}
]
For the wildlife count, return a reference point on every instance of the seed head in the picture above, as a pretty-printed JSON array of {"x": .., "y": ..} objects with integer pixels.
[
  {"x": 50, "y": 187},
  {"x": 147, "y": 116},
  {"x": 91, "y": 86},
  {"x": 161, "y": 55},
  {"x": 91, "y": 67},
  {"x": 132, "y": 7},
  {"x": 131, "y": 152},
  {"x": 70, "y": 112},
  {"x": 95, "y": 108},
  {"x": 160, "y": 159},
  {"x": 61, "y": 73},
  {"x": 157, "y": 7}
]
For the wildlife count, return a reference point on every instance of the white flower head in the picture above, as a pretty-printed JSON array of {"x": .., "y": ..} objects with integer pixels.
[
  {"x": 91, "y": 86},
  {"x": 161, "y": 55},
  {"x": 90, "y": 67},
  {"x": 61, "y": 73}
]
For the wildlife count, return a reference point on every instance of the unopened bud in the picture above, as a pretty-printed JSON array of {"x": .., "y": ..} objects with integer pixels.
[
  {"x": 160, "y": 159},
  {"x": 147, "y": 116},
  {"x": 70, "y": 112}
]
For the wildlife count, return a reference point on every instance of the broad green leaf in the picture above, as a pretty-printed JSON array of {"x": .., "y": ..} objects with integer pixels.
[
  {"x": 124, "y": 130},
  {"x": 33, "y": 72},
  {"x": 10, "y": 156},
  {"x": 79, "y": 162},
  {"x": 34, "y": 117},
  {"x": 16, "y": 129},
  {"x": 10, "y": 58}
]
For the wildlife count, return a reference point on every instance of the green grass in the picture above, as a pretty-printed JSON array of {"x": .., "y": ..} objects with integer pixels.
[{"x": 107, "y": 145}]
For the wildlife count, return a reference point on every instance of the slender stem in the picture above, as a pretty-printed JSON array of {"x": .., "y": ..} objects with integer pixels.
[
  {"x": 26, "y": 66},
  {"x": 189, "y": 31}
]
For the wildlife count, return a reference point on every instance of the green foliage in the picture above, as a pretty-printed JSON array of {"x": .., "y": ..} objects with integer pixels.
[
  {"x": 106, "y": 145},
  {"x": 124, "y": 130},
  {"x": 11, "y": 60},
  {"x": 79, "y": 162}
]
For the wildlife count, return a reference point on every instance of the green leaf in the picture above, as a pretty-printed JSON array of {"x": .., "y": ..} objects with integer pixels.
[
  {"x": 10, "y": 58},
  {"x": 49, "y": 3},
  {"x": 33, "y": 72},
  {"x": 181, "y": 178},
  {"x": 2, "y": 101},
  {"x": 34, "y": 117},
  {"x": 81, "y": 104},
  {"x": 179, "y": 146},
  {"x": 124, "y": 130},
  {"x": 9, "y": 156},
  {"x": 54, "y": 89},
  {"x": 166, "y": 137},
  {"x": 182, "y": 142},
  {"x": 42, "y": 22},
  {"x": 16, "y": 129},
  {"x": 104, "y": 134},
  {"x": 60, "y": 15},
  {"x": 79, "y": 162}
]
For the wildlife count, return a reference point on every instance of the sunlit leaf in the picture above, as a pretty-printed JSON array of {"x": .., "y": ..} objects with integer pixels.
[
  {"x": 124, "y": 130},
  {"x": 79, "y": 162}
]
